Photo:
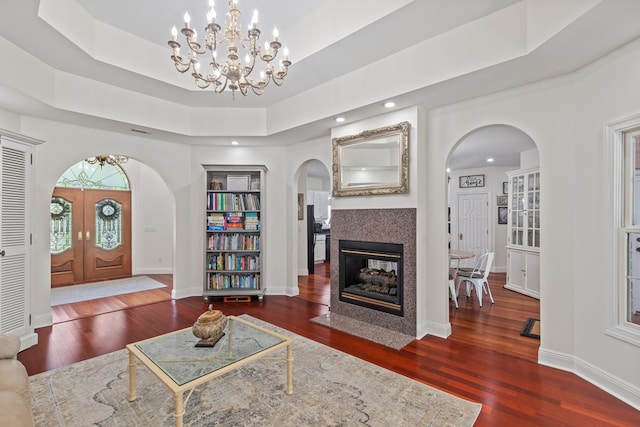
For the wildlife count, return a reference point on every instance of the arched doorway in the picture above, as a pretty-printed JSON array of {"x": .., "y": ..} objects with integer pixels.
[
  {"x": 90, "y": 234},
  {"x": 497, "y": 165},
  {"x": 314, "y": 229}
]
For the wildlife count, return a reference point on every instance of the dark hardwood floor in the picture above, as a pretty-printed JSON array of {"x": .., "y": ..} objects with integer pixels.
[{"x": 485, "y": 360}]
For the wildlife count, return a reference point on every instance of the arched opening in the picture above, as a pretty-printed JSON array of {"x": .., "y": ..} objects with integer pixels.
[
  {"x": 108, "y": 222},
  {"x": 314, "y": 228},
  {"x": 90, "y": 236},
  {"x": 493, "y": 199}
]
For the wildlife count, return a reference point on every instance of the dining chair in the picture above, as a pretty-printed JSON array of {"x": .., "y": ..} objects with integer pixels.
[
  {"x": 478, "y": 277},
  {"x": 452, "y": 286},
  {"x": 469, "y": 264}
]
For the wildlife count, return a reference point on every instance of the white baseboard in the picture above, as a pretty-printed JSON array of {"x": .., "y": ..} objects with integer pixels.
[
  {"x": 152, "y": 271},
  {"x": 442, "y": 330},
  {"x": 195, "y": 291},
  {"x": 613, "y": 385},
  {"x": 28, "y": 340},
  {"x": 303, "y": 272},
  {"x": 42, "y": 321}
]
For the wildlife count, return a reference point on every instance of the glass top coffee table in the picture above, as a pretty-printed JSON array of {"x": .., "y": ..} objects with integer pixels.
[{"x": 181, "y": 366}]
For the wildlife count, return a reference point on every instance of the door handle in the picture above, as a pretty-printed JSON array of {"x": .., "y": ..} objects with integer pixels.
[
  {"x": 460, "y": 236},
  {"x": 88, "y": 235},
  {"x": 80, "y": 235},
  {"x": 2, "y": 253}
]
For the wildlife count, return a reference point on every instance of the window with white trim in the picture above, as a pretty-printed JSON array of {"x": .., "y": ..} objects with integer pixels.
[{"x": 629, "y": 298}]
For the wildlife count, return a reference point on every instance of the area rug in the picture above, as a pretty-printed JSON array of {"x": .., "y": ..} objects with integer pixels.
[
  {"x": 531, "y": 328},
  {"x": 365, "y": 330},
  {"x": 107, "y": 288},
  {"x": 330, "y": 388}
]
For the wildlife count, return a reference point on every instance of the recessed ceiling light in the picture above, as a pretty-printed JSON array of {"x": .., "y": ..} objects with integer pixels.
[
  {"x": 389, "y": 104},
  {"x": 339, "y": 119},
  {"x": 490, "y": 159},
  {"x": 234, "y": 143}
]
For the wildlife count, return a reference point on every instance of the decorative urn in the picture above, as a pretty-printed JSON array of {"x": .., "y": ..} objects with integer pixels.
[{"x": 209, "y": 327}]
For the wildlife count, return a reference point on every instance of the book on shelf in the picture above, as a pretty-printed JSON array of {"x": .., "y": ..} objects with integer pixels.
[
  {"x": 234, "y": 220},
  {"x": 234, "y": 281},
  {"x": 251, "y": 221},
  {"x": 216, "y": 221}
]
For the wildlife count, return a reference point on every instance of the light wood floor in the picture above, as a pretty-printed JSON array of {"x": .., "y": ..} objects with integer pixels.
[{"x": 485, "y": 360}]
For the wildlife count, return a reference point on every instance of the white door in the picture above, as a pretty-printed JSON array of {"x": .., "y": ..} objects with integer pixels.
[
  {"x": 14, "y": 238},
  {"x": 473, "y": 221}
]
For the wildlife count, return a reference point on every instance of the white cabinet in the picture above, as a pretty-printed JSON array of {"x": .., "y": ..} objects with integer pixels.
[
  {"x": 523, "y": 272},
  {"x": 523, "y": 238},
  {"x": 15, "y": 236},
  {"x": 320, "y": 248}
]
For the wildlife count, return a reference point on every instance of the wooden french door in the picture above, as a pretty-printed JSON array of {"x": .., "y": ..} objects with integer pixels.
[{"x": 98, "y": 236}]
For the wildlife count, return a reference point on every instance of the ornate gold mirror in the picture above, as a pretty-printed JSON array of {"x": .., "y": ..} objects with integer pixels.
[{"x": 372, "y": 162}]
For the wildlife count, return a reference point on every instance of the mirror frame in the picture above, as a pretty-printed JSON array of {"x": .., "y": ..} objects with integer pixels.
[{"x": 342, "y": 189}]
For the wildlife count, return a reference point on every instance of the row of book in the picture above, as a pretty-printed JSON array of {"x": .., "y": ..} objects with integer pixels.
[
  {"x": 234, "y": 281},
  {"x": 233, "y": 202},
  {"x": 233, "y": 242},
  {"x": 233, "y": 220},
  {"x": 232, "y": 261}
]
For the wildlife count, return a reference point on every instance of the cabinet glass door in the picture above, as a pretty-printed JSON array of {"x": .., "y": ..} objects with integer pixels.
[
  {"x": 524, "y": 193},
  {"x": 533, "y": 210},
  {"x": 517, "y": 210}
]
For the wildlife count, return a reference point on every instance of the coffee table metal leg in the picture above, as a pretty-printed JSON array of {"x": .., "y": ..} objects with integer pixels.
[
  {"x": 290, "y": 369},
  {"x": 179, "y": 412},
  {"x": 132, "y": 377}
]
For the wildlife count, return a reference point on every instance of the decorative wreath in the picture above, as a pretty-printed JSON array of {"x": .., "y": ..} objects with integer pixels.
[
  {"x": 108, "y": 210},
  {"x": 59, "y": 208}
]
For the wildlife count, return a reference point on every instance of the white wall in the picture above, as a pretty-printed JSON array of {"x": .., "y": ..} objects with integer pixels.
[
  {"x": 152, "y": 220},
  {"x": 64, "y": 146},
  {"x": 274, "y": 216},
  {"x": 565, "y": 117}
]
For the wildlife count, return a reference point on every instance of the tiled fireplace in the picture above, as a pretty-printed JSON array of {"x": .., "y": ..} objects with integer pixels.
[{"x": 381, "y": 243}]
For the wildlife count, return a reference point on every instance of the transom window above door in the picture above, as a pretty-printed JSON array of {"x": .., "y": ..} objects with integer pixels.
[{"x": 85, "y": 175}]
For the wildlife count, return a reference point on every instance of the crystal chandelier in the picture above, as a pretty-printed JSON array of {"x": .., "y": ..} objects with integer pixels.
[
  {"x": 229, "y": 71},
  {"x": 110, "y": 159}
]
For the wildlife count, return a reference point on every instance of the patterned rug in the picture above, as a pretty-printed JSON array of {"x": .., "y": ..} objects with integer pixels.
[
  {"x": 107, "y": 288},
  {"x": 330, "y": 388}
]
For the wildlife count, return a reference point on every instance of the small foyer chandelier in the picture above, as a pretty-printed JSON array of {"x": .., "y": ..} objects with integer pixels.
[
  {"x": 109, "y": 159},
  {"x": 227, "y": 70}
]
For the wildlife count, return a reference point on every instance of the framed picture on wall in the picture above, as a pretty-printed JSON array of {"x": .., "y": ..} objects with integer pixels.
[
  {"x": 505, "y": 188},
  {"x": 300, "y": 206},
  {"x": 502, "y": 200},
  {"x": 503, "y": 213},
  {"x": 471, "y": 181}
]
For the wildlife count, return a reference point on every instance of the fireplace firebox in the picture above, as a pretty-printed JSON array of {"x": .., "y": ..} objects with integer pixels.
[{"x": 371, "y": 275}]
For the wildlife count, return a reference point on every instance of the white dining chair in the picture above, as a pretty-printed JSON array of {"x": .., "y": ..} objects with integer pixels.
[
  {"x": 478, "y": 277},
  {"x": 452, "y": 285}
]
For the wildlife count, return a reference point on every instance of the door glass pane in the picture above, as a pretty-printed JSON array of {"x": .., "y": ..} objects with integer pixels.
[
  {"x": 108, "y": 224},
  {"x": 61, "y": 231}
]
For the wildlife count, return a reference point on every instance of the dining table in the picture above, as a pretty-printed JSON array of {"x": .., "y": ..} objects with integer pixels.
[
  {"x": 457, "y": 255},
  {"x": 460, "y": 254}
]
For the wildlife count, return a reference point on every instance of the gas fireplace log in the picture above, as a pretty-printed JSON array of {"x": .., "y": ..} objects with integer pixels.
[{"x": 378, "y": 277}]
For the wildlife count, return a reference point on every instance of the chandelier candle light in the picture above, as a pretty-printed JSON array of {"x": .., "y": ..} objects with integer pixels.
[{"x": 229, "y": 72}]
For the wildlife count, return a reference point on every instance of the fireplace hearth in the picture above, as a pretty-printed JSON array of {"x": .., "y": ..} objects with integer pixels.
[{"x": 370, "y": 275}]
